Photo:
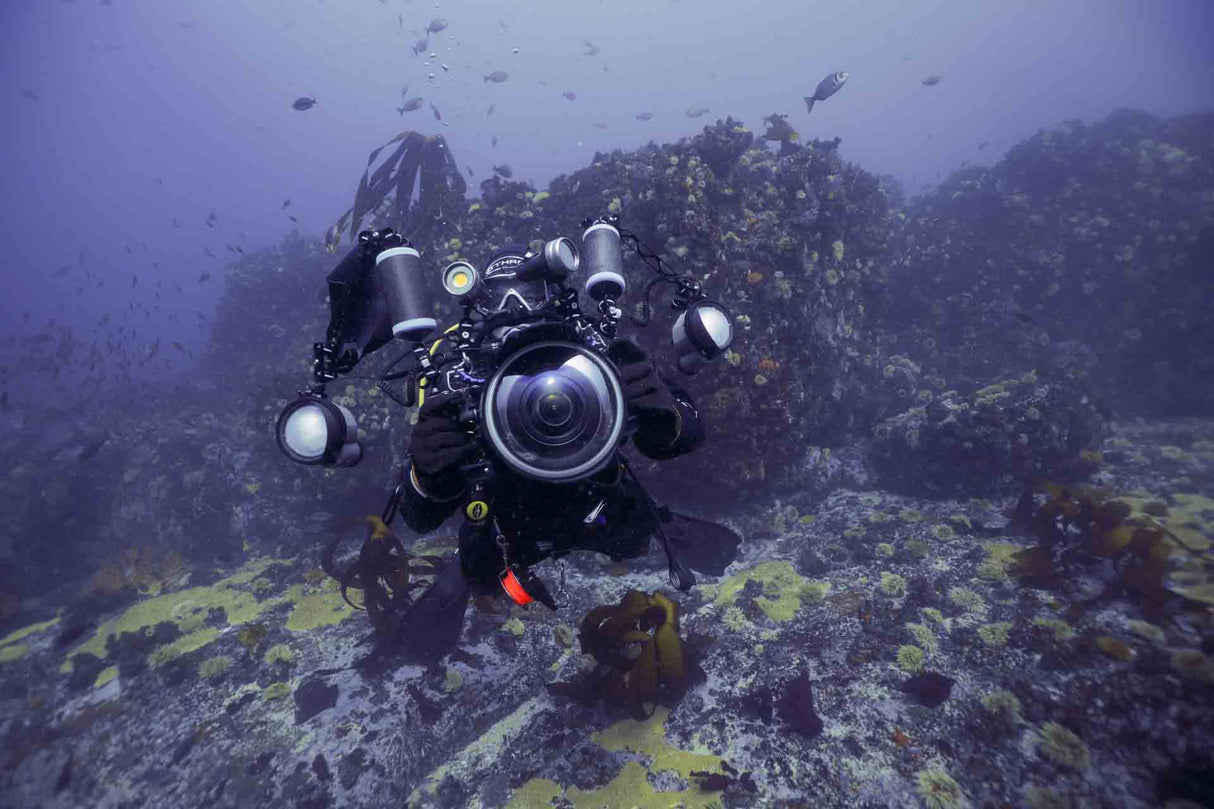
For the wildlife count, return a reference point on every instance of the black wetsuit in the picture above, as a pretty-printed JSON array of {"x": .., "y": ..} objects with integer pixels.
[{"x": 607, "y": 512}]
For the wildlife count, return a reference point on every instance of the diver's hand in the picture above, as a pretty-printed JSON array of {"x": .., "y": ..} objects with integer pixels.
[
  {"x": 648, "y": 396},
  {"x": 440, "y": 442}
]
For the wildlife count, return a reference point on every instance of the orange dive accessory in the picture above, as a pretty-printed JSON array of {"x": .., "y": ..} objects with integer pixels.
[{"x": 523, "y": 587}]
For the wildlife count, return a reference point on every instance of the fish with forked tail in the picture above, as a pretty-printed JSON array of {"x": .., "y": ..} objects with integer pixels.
[{"x": 826, "y": 88}]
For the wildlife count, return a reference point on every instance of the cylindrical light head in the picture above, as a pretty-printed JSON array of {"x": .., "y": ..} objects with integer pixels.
[
  {"x": 561, "y": 255},
  {"x": 463, "y": 281}
]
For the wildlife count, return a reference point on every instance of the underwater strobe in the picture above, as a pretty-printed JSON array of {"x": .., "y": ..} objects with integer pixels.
[{"x": 367, "y": 310}]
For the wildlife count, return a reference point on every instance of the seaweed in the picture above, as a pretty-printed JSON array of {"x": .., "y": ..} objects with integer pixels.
[
  {"x": 1079, "y": 526},
  {"x": 611, "y": 634},
  {"x": 149, "y": 570},
  {"x": 796, "y": 707},
  {"x": 929, "y": 688},
  {"x": 417, "y": 155},
  {"x": 383, "y": 572}
]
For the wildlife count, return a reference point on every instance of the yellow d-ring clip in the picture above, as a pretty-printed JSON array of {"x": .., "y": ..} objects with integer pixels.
[
  {"x": 477, "y": 510},
  {"x": 421, "y": 383}
]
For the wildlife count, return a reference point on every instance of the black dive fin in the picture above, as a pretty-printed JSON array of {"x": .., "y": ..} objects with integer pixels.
[
  {"x": 433, "y": 624},
  {"x": 704, "y": 545}
]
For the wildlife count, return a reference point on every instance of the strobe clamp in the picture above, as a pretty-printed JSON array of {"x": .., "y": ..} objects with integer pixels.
[{"x": 688, "y": 290}]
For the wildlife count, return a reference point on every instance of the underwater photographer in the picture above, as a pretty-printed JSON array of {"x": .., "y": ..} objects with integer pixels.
[{"x": 525, "y": 405}]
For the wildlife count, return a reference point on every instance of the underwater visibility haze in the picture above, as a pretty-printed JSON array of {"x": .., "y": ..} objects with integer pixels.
[{"x": 610, "y": 404}]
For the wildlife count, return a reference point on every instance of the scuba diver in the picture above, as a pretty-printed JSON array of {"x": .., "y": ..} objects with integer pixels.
[
  {"x": 607, "y": 512},
  {"x": 525, "y": 406}
]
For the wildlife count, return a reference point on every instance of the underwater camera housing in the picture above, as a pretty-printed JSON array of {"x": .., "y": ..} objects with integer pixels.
[{"x": 529, "y": 366}]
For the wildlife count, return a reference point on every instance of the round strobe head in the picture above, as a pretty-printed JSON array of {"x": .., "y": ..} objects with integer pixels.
[{"x": 314, "y": 431}]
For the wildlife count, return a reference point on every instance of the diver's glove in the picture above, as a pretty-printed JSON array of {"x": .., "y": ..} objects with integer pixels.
[
  {"x": 649, "y": 398},
  {"x": 440, "y": 445}
]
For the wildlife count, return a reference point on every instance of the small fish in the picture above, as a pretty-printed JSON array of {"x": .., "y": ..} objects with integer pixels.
[
  {"x": 600, "y": 125},
  {"x": 400, "y": 22},
  {"x": 436, "y": 25},
  {"x": 983, "y": 145},
  {"x": 29, "y": 95},
  {"x": 514, "y": 50},
  {"x": 62, "y": 271},
  {"x": 293, "y": 219},
  {"x": 493, "y": 141},
  {"x": 504, "y": 170},
  {"x": 134, "y": 281},
  {"x": 696, "y": 112},
  {"x": 411, "y": 105},
  {"x": 437, "y": 115},
  {"x": 444, "y": 67},
  {"x": 644, "y": 116},
  {"x": 286, "y": 203},
  {"x": 206, "y": 276},
  {"x": 931, "y": 81},
  {"x": 591, "y": 48},
  {"x": 570, "y": 95},
  {"x": 826, "y": 88},
  {"x": 304, "y": 103},
  {"x": 176, "y": 224},
  {"x": 469, "y": 170},
  {"x": 210, "y": 220},
  {"x": 404, "y": 91},
  {"x": 497, "y": 76},
  {"x": 206, "y": 250},
  {"x": 489, "y": 112}
]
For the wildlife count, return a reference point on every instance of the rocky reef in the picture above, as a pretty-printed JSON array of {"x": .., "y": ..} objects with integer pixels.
[
  {"x": 920, "y": 391},
  {"x": 1087, "y": 249}
]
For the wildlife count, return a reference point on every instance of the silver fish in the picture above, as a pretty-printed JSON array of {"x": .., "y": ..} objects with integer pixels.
[
  {"x": 931, "y": 81},
  {"x": 826, "y": 88},
  {"x": 497, "y": 76}
]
